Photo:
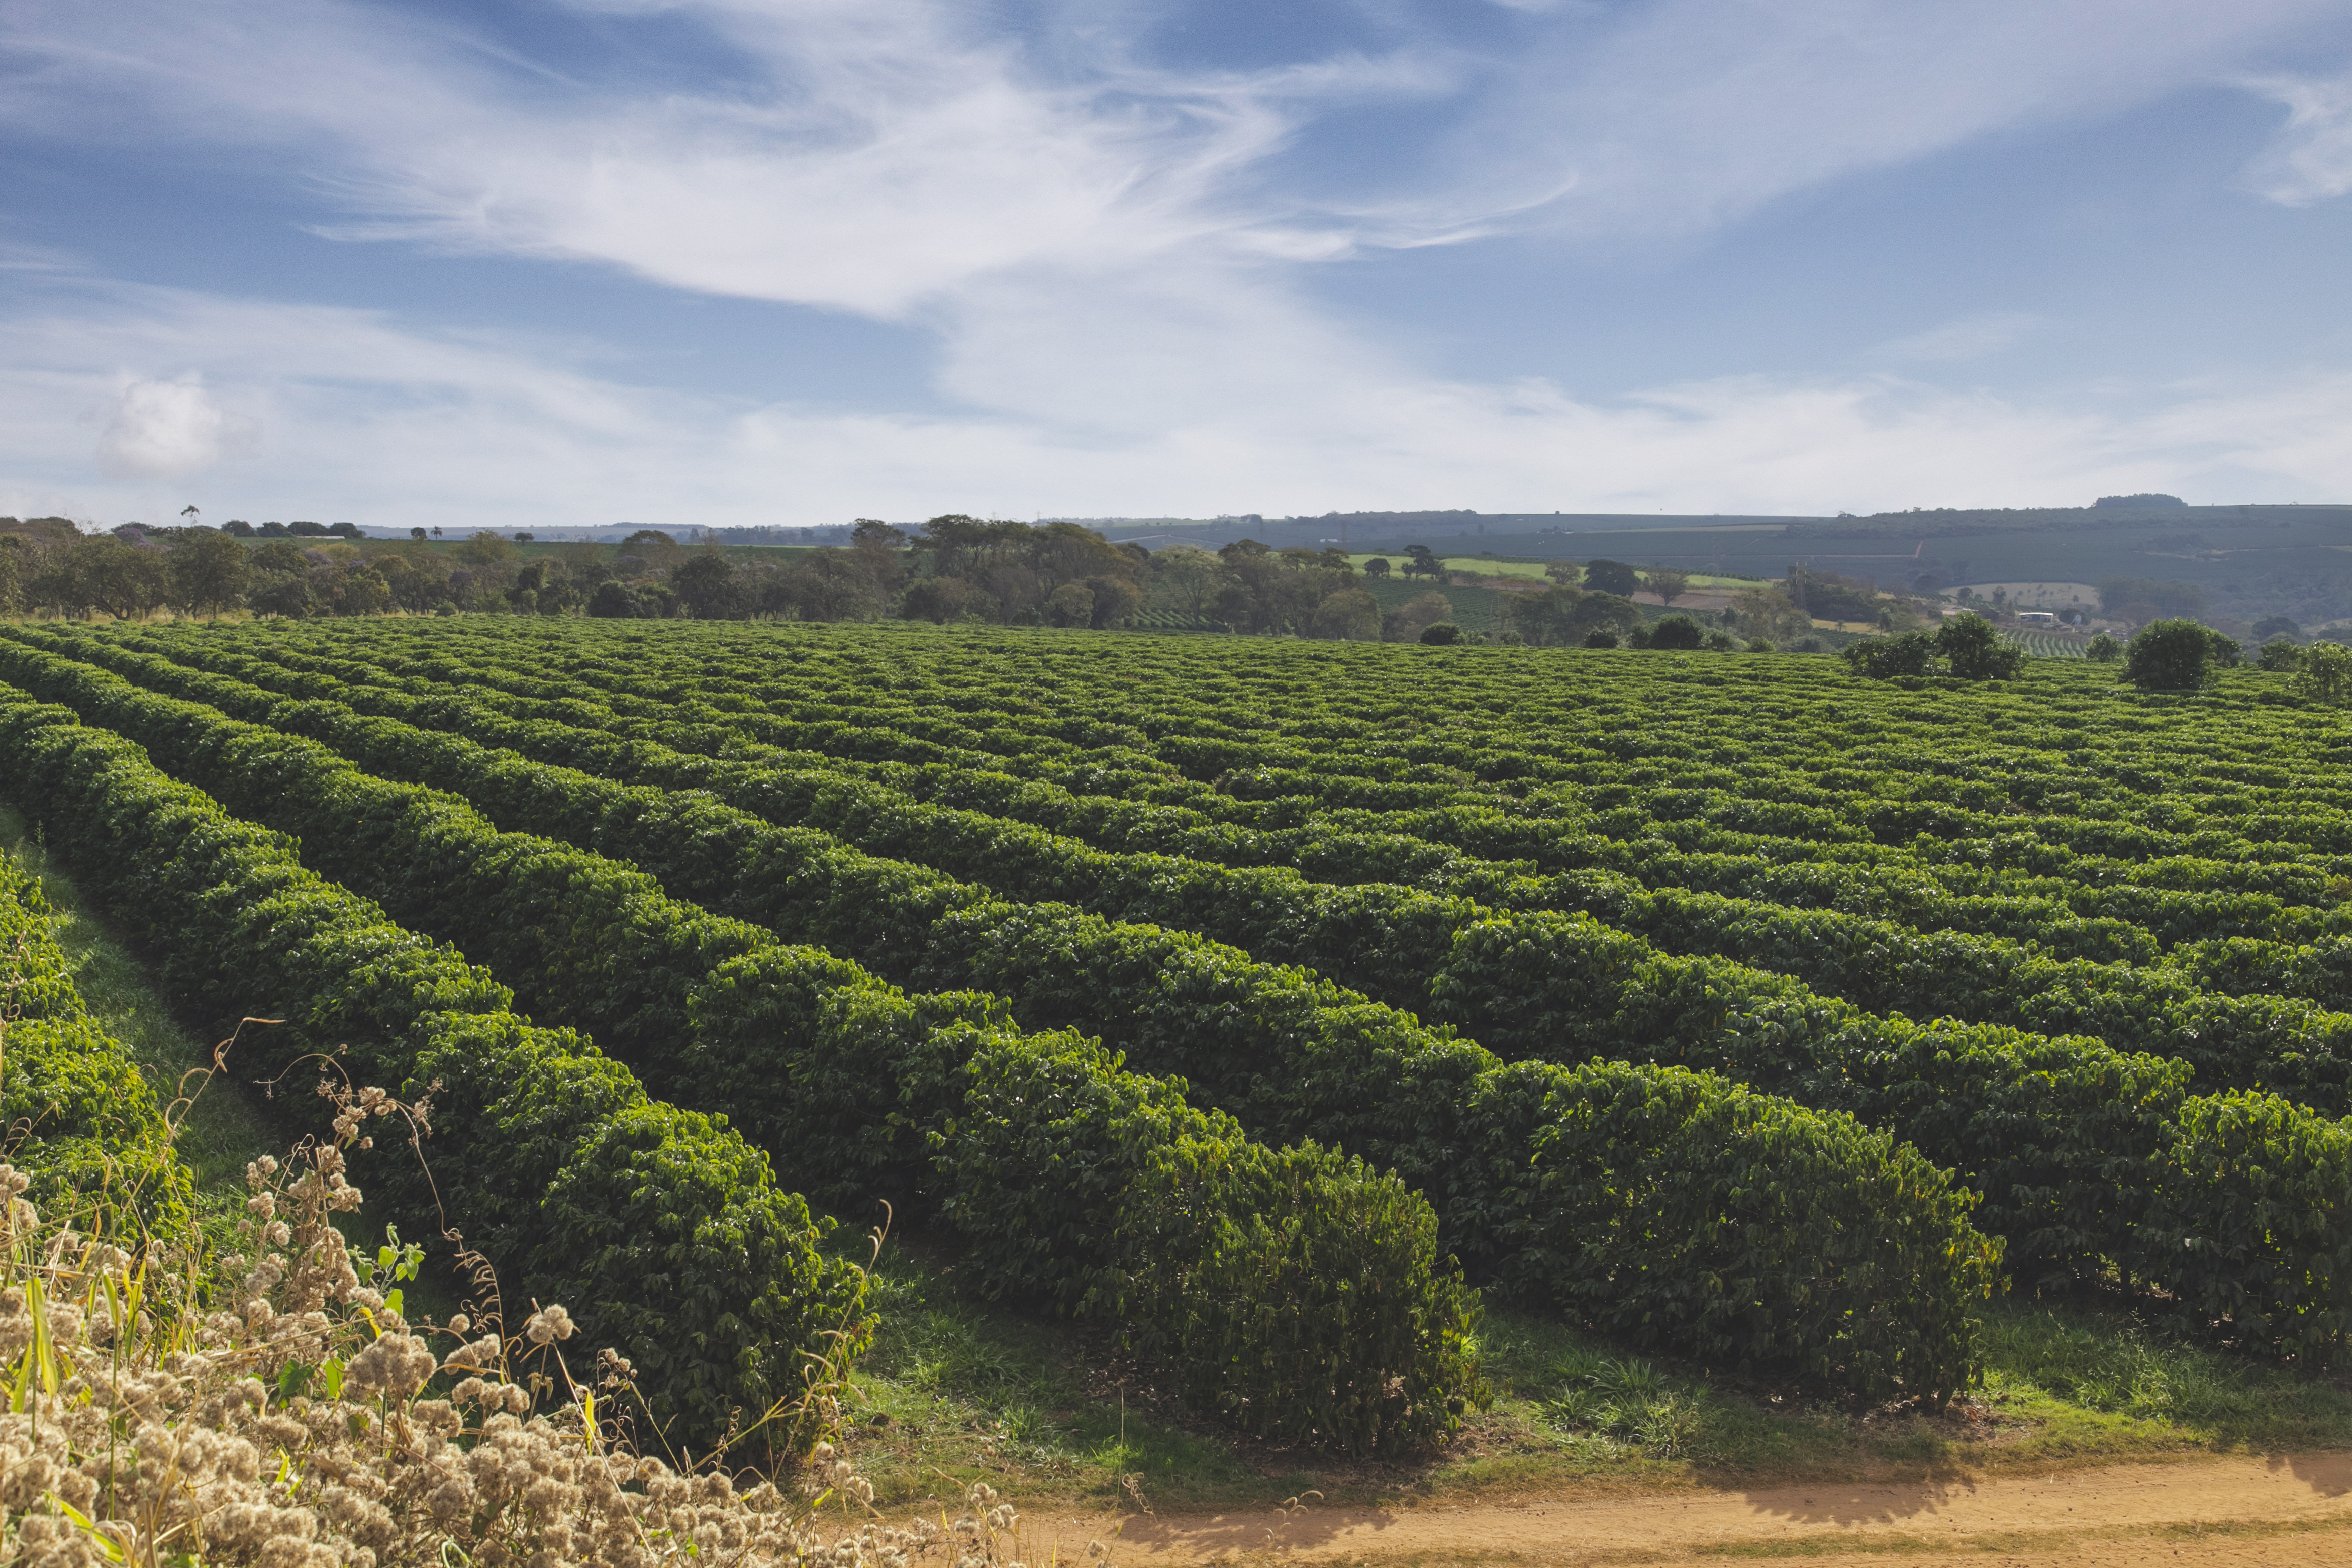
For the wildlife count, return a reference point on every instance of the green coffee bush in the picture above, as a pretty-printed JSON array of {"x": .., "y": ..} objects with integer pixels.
[
  {"x": 547, "y": 1155},
  {"x": 1300, "y": 1294},
  {"x": 76, "y": 1114}
]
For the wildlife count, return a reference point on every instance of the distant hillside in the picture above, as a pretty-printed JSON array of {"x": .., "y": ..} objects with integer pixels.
[{"x": 2249, "y": 562}]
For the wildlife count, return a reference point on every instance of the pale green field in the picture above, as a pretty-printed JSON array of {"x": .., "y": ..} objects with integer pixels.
[{"x": 1534, "y": 569}]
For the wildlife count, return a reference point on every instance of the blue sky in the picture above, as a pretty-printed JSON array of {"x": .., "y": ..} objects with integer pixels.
[{"x": 758, "y": 262}]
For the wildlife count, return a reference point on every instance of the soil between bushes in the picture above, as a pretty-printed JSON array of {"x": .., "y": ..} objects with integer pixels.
[{"x": 2280, "y": 1511}]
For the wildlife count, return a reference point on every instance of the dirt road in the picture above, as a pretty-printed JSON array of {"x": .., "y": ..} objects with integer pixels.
[{"x": 2279, "y": 1512}]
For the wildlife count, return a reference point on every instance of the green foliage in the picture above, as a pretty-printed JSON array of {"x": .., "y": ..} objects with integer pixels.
[
  {"x": 2103, "y": 649},
  {"x": 587, "y": 1189},
  {"x": 1881, "y": 658},
  {"x": 1300, "y": 1294},
  {"x": 1788, "y": 863},
  {"x": 2325, "y": 675},
  {"x": 1611, "y": 577},
  {"x": 2279, "y": 656},
  {"x": 1440, "y": 633},
  {"x": 1677, "y": 632},
  {"x": 1973, "y": 651},
  {"x": 2176, "y": 656},
  {"x": 78, "y": 1116}
]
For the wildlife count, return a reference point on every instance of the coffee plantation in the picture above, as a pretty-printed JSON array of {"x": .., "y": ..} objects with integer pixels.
[{"x": 1268, "y": 1004}]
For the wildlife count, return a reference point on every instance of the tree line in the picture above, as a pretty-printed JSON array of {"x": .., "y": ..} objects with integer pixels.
[{"x": 953, "y": 568}]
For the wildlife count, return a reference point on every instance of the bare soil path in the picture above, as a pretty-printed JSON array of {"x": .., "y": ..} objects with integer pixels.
[{"x": 2277, "y": 1512}]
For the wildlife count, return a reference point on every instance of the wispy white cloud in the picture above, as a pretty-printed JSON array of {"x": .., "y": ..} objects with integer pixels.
[
  {"x": 372, "y": 420},
  {"x": 1672, "y": 118},
  {"x": 1970, "y": 337},
  {"x": 2310, "y": 160}
]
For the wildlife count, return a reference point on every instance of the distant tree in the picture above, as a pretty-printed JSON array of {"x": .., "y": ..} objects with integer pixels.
[
  {"x": 1913, "y": 653},
  {"x": 1677, "y": 632},
  {"x": 273, "y": 530},
  {"x": 2325, "y": 675},
  {"x": 1808, "y": 645},
  {"x": 1611, "y": 577},
  {"x": 1351, "y": 615},
  {"x": 1421, "y": 562},
  {"x": 614, "y": 601},
  {"x": 1406, "y": 623},
  {"x": 1759, "y": 644},
  {"x": 209, "y": 572},
  {"x": 936, "y": 599},
  {"x": 1561, "y": 618},
  {"x": 237, "y": 528},
  {"x": 1974, "y": 650},
  {"x": 484, "y": 549},
  {"x": 2271, "y": 626},
  {"x": 1071, "y": 604},
  {"x": 1666, "y": 583},
  {"x": 873, "y": 534},
  {"x": 1600, "y": 640},
  {"x": 417, "y": 534},
  {"x": 1377, "y": 568},
  {"x": 190, "y": 515},
  {"x": 2279, "y": 656},
  {"x": 1440, "y": 633},
  {"x": 1767, "y": 612},
  {"x": 707, "y": 585},
  {"x": 657, "y": 549},
  {"x": 345, "y": 530},
  {"x": 437, "y": 533},
  {"x": 1718, "y": 641},
  {"x": 2177, "y": 655},
  {"x": 1566, "y": 574},
  {"x": 526, "y": 539},
  {"x": 2103, "y": 649},
  {"x": 306, "y": 529}
]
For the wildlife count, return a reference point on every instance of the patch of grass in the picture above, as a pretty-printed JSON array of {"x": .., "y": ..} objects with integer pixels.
[
  {"x": 957, "y": 1391},
  {"x": 2102, "y": 1379},
  {"x": 225, "y": 1125}
]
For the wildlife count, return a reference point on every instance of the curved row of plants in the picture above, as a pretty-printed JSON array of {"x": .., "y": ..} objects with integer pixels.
[
  {"x": 75, "y": 1113},
  {"x": 1096, "y": 1184},
  {"x": 1627, "y": 1195},
  {"x": 2098, "y": 911},
  {"x": 2084, "y": 1152},
  {"x": 1883, "y": 791},
  {"x": 1397, "y": 944},
  {"x": 1619, "y": 782},
  {"x": 549, "y": 1158}
]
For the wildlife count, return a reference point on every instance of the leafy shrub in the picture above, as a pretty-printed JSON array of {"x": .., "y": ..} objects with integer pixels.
[
  {"x": 1974, "y": 651},
  {"x": 2176, "y": 656},
  {"x": 2250, "y": 1224},
  {"x": 2325, "y": 675},
  {"x": 1639, "y": 1210},
  {"x": 1677, "y": 632},
  {"x": 1298, "y": 1293},
  {"x": 1600, "y": 640},
  {"x": 2279, "y": 656},
  {"x": 1882, "y": 657},
  {"x": 599, "y": 1196},
  {"x": 2103, "y": 649},
  {"x": 80, "y": 1121},
  {"x": 1440, "y": 633}
]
